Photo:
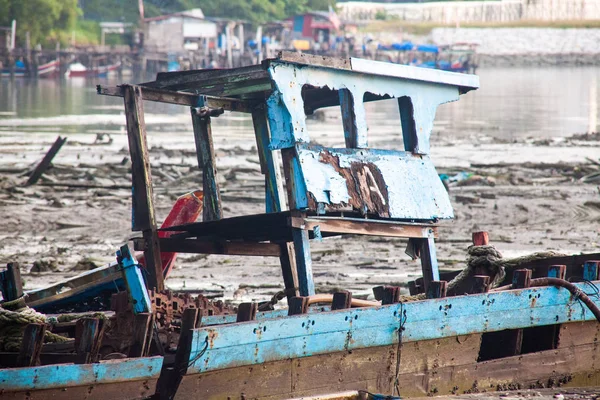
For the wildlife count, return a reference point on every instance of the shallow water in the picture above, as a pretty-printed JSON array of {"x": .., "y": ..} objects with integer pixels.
[{"x": 511, "y": 103}]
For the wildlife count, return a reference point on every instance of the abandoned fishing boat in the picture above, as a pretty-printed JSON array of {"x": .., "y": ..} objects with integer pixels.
[
  {"x": 66, "y": 355},
  {"x": 491, "y": 326}
]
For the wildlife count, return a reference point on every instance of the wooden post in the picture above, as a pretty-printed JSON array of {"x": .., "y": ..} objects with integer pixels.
[
  {"x": 557, "y": 271},
  {"x": 341, "y": 300},
  {"x": 481, "y": 284},
  {"x": 206, "y": 162},
  {"x": 298, "y": 305},
  {"x": 247, "y": 312},
  {"x": 46, "y": 161},
  {"x": 170, "y": 378},
  {"x": 429, "y": 263},
  {"x": 303, "y": 262},
  {"x": 590, "y": 270},
  {"x": 378, "y": 292},
  {"x": 481, "y": 238},
  {"x": 348, "y": 118},
  {"x": 188, "y": 322},
  {"x": 143, "y": 204},
  {"x": 85, "y": 338},
  {"x": 274, "y": 194},
  {"x": 391, "y": 295},
  {"x": 437, "y": 289},
  {"x": 10, "y": 282},
  {"x": 142, "y": 325},
  {"x": 31, "y": 346},
  {"x": 521, "y": 279}
]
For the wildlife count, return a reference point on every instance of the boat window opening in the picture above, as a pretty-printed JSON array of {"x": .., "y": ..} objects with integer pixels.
[
  {"x": 323, "y": 116},
  {"x": 383, "y": 121},
  {"x": 407, "y": 119}
]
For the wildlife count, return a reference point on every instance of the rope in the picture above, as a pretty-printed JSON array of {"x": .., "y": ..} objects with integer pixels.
[
  {"x": 399, "y": 349},
  {"x": 15, "y": 316},
  {"x": 489, "y": 261}
]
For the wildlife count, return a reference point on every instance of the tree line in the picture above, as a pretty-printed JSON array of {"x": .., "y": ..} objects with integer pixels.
[{"x": 49, "y": 21}]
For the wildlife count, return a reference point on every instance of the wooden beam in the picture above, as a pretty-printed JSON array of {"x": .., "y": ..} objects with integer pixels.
[
  {"x": 274, "y": 194},
  {"x": 348, "y": 118},
  {"x": 46, "y": 161},
  {"x": 180, "y": 98},
  {"x": 364, "y": 227},
  {"x": 215, "y": 247},
  {"x": 212, "y": 209},
  {"x": 143, "y": 205},
  {"x": 429, "y": 263}
]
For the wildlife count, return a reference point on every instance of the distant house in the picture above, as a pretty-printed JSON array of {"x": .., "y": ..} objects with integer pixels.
[
  {"x": 314, "y": 27},
  {"x": 178, "y": 32}
]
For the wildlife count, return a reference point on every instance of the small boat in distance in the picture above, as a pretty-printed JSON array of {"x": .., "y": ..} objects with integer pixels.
[
  {"x": 47, "y": 70},
  {"x": 80, "y": 70}
]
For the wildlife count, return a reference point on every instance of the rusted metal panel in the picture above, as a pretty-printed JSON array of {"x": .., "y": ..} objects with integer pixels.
[{"x": 391, "y": 184}]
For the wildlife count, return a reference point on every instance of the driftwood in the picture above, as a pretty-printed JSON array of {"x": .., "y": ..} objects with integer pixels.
[{"x": 46, "y": 161}]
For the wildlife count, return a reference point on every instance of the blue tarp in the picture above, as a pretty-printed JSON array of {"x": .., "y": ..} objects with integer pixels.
[{"x": 428, "y": 48}]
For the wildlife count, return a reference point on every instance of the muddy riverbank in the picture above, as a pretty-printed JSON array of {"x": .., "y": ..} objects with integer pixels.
[{"x": 79, "y": 213}]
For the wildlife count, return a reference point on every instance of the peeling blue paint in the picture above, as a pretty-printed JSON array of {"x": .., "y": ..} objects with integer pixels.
[
  {"x": 311, "y": 334},
  {"x": 66, "y": 375}
]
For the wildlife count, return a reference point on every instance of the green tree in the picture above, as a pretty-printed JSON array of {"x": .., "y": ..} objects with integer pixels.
[
  {"x": 45, "y": 20},
  {"x": 256, "y": 11}
]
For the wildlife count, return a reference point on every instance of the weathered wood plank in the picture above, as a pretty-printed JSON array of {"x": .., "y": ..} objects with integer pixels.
[
  {"x": 140, "y": 337},
  {"x": 222, "y": 247},
  {"x": 306, "y": 285},
  {"x": 578, "y": 333},
  {"x": 305, "y": 335},
  {"x": 212, "y": 209},
  {"x": 434, "y": 367},
  {"x": 143, "y": 203},
  {"x": 217, "y": 82},
  {"x": 180, "y": 98},
  {"x": 313, "y": 59},
  {"x": 134, "y": 390},
  {"x": 170, "y": 378},
  {"x": 87, "y": 331},
  {"x": 349, "y": 120},
  {"x": 372, "y": 369},
  {"x": 72, "y": 375},
  {"x": 429, "y": 263},
  {"x": 364, "y": 227},
  {"x": 31, "y": 346}
]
